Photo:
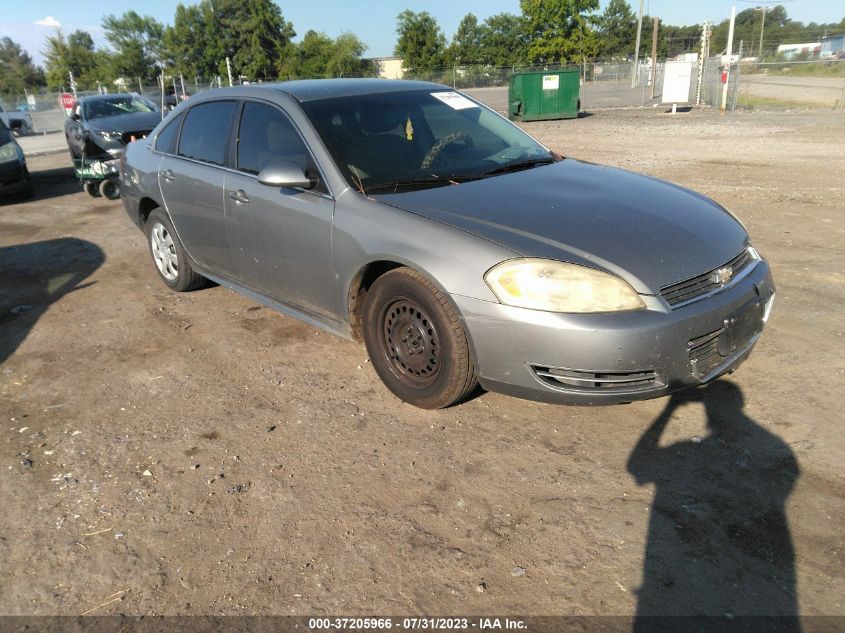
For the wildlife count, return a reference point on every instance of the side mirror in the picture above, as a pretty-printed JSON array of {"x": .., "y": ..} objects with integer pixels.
[
  {"x": 75, "y": 116},
  {"x": 285, "y": 173},
  {"x": 15, "y": 124}
]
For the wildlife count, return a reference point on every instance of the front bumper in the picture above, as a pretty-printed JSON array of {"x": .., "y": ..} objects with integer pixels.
[
  {"x": 14, "y": 177},
  {"x": 616, "y": 357}
]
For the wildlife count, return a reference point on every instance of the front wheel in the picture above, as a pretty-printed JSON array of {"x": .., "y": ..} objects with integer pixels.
[
  {"x": 416, "y": 342},
  {"x": 169, "y": 255}
]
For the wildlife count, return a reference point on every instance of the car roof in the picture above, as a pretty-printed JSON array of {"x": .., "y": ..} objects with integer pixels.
[
  {"x": 106, "y": 97},
  {"x": 312, "y": 89}
]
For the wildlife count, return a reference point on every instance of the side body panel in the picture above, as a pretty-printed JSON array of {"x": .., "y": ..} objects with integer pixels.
[{"x": 280, "y": 241}]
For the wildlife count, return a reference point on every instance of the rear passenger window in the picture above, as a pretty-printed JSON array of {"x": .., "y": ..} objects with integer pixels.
[
  {"x": 166, "y": 139},
  {"x": 205, "y": 133},
  {"x": 266, "y": 134}
]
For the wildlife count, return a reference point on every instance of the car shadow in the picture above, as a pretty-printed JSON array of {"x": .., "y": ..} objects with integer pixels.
[
  {"x": 53, "y": 183},
  {"x": 36, "y": 275},
  {"x": 718, "y": 544},
  {"x": 47, "y": 183}
]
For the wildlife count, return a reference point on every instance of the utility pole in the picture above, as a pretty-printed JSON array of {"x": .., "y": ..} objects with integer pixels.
[
  {"x": 140, "y": 86},
  {"x": 726, "y": 73},
  {"x": 637, "y": 47},
  {"x": 762, "y": 26},
  {"x": 654, "y": 54}
]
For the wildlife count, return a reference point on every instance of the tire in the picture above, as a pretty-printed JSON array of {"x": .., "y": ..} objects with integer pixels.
[
  {"x": 416, "y": 342},
  {"x": 110, "y": 189},
  {"x": 91, "y": 189},
  {"x": 169, "y": 256}
]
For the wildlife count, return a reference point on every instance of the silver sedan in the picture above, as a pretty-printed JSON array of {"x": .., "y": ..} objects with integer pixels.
[{"x": 460, "y": 249}]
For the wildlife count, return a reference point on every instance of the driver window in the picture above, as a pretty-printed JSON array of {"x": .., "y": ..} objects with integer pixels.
[{"x": 266, "y": 134}]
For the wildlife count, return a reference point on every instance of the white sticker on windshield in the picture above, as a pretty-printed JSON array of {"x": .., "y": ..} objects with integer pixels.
[{"x": 454, "y": 100}]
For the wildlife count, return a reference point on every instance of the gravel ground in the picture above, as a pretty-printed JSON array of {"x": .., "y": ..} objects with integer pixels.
[{"x": 203, "y": 455}]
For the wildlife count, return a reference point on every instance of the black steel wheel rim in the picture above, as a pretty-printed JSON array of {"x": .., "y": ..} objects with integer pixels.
[{"x": 410, "y": 342}]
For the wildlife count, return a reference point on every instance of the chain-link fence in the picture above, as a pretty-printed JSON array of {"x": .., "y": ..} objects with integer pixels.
[{"x": 604, "y": 84}]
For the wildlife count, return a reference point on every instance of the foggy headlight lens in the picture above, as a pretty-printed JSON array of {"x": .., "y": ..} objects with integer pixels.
[
  {"x": 8, "y": 153},
  {"x": 543, "y": 284}
]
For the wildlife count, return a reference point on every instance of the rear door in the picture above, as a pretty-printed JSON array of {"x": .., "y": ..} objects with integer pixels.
[
  {"x": 192, "y": 181},
  {"x": 280, "y": 238}
]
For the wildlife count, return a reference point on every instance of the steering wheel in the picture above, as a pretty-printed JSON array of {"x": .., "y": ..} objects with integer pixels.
[{"x": 441, "y": 144}]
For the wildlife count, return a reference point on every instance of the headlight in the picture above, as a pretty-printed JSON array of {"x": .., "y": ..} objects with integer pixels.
[
  {"x": 544, "y": 284},
  {"x": 108, "y": 134},
  {"x": 10, "y": 152}
]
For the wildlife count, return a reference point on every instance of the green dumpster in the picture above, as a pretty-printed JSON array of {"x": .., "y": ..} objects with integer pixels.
[{"x": 540, "y": 96}]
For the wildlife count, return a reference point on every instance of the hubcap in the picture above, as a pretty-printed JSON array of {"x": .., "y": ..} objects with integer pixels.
[
  {"x": 164, "y": 252},
  {"x": 410, "y": 343}
]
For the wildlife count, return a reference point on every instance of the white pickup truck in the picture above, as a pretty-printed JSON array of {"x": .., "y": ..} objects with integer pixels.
[{"x": 19, "y": 122}]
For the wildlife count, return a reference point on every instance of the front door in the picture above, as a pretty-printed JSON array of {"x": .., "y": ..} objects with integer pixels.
[
  {"x": 280, "y": 238},
  {"x": 192, "y": 184}
]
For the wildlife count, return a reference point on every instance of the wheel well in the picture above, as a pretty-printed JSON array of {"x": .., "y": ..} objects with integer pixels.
[
  {"x": 358, "y": 289},
  {"x": 145, "y": 207}
]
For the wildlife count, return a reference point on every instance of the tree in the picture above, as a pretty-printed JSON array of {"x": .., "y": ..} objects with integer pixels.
[
  {"x": 421, "y": 44},
  {"x": 466, "y": 43},
  {"x": 255, "y": 36},
  {"x": 137, "y": 43},
  {"x": 75, "y": 55},
  {"x": 318, "y": 55},
  {"x": 189, "y": 44},
  {"x": 617, "y": 27},
  {"x": 503, "y": 40},
  {"x": 558, "y": 30},
  {"x": 17, "y": 71}
]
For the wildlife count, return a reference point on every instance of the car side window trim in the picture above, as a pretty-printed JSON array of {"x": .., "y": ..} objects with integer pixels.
[
  {"x": 236, "y": 137},
  {"x": 178, "y": 123}
]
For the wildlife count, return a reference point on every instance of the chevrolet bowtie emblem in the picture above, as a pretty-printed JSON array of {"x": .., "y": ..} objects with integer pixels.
[{"x": 723, "y": 275}]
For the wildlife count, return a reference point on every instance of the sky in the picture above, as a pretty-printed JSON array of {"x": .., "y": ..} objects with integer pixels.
[{"x": 29, "y": 21}]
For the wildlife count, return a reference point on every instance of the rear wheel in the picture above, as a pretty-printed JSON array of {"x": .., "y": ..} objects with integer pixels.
[
  {"x": 416, "y": 342},
  {"x": 169, "y": 255},
  {"x": 90, "y": 188}
]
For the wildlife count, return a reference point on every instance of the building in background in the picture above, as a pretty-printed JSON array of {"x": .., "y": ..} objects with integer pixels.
[
  {"x": 833, "y": 46},
  {"x": 808, "y": 50},
  {"x": 389, "y": 67}
]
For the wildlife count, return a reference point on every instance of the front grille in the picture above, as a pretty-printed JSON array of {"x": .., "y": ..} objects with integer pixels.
[
  {"x": 558, "y": 377},
  {"x": 138, "y": 134},
  {"x": 704, "y": 354},
  {"x": 696, "y": 287}
]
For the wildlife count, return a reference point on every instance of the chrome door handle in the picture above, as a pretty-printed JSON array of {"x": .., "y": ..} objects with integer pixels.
[
  {"x": 239, "y": 196},
  {"x": 167, "y": 174}
]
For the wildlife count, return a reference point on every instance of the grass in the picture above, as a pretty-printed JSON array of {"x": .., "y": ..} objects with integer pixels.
[
  {"x": 755, "y": 102},
  {"x": 799, "y": 69}
]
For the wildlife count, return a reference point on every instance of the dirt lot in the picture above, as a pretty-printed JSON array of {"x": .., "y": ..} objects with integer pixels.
[{"x": 204, "y": 455}]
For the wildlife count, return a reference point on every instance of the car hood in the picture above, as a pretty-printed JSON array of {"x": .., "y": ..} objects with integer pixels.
[
  {"x": 131, "y": 122},
  {"x": 649, "y": 232}
]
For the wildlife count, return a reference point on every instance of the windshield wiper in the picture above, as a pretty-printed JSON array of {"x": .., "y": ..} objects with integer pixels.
[
  {"x": 519, "y": 165},
  {"x": 429, "y": 180}
]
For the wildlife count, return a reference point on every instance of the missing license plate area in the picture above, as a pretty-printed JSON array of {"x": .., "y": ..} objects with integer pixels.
[{"x": 741, "y": 327}]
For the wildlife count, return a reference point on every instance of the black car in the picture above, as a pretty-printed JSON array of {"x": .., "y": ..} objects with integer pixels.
[
  {"x": 14, "y": 176},
  {"x": 102, "y": 125}
]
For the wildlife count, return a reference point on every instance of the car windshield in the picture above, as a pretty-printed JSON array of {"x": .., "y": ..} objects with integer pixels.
[
  {"x": 401, "y": 141},
  {"x": 5, "y": 134},
  {"x": 100, "y": 108}
]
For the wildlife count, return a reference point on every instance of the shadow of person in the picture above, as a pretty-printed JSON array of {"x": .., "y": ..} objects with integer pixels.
[
  {"x": 33, "y": 276},
  {"x": 718, "y": 542}
]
